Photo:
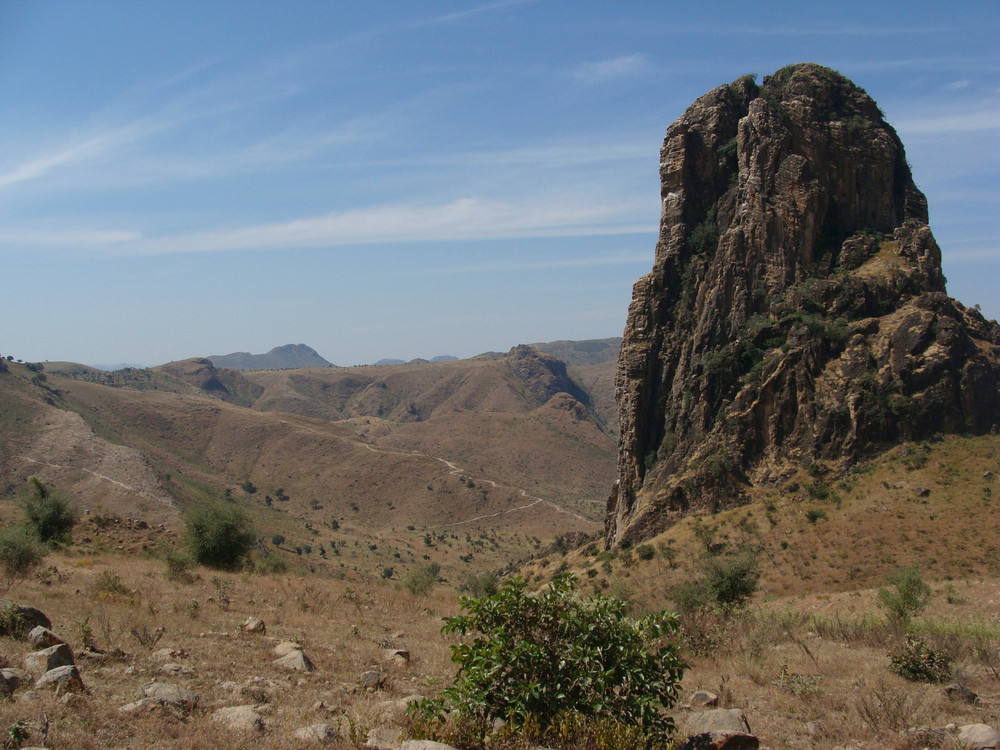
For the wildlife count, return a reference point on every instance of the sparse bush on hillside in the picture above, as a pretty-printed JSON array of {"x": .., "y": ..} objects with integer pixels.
[
  {"x": 481, "y": 584},
  {"x": 908, "y": 595},
  {"x": 178, "y": 564},
  {"x": 727, "y": 584},
  {"x": 919, "y": 662},
  {"x": 48, "y": 513},
  {"x": 543, "y": 661},
  {"x": 421, "y": 579},
  {"x": 19, "y": 553},
  {"x": 219, "y": 536}
]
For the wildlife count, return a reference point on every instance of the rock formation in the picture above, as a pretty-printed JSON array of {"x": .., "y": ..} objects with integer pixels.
[{"x": 796, "y": 311}]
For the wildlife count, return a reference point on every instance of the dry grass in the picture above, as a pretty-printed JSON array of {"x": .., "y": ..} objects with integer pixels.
[
  {"x": 342, "y": 628},
  {"x": 805, "y": 678}
]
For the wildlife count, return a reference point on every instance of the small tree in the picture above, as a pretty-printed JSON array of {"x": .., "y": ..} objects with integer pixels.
[
  {"x": 218, "y": 535},
  {"x": 421, "y": 579},
  {"x": 908, "y": 595},
  {"x": 48, "y": 513},
  {"x": 19, "y": 553},
  {"x": 535, "y": 658}
]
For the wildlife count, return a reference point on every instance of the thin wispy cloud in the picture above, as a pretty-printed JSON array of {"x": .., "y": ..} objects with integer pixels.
[
  {"x": 955, "y": 123},
  {"x": 517, "y": 267},
  {"x": 478, "y": 10},
  {"x": 463, "y": 219},
  {"x": 603, "y": 71}
]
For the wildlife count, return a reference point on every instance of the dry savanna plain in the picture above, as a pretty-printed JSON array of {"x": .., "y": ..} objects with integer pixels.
[{"x": 357, "y": 479}]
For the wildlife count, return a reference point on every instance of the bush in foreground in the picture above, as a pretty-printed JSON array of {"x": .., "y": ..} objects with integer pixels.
[
  {"x": 219, "y": 536},
  {"x": 550, "y": 661}
]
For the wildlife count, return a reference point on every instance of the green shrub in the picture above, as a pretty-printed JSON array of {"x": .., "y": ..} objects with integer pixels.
[
  {"x": 908, "y": 595},
  {"x": 219, "y": 536},
  {"x": 19, "y": 552},
  {"x": 732, "y": 580},
  {"x": 481, "y": 584},
  {"x": 919, "y": 662},
  {"x": 421, "y": 579},
  {"x": 178, "y": 564},
  {"x": 645, "y": 552},
  {"x": 48, "y": 513},
  {"x": 535, "y": 658}
]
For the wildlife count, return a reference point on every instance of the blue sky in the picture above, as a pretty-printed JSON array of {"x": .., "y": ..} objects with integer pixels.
[{"x": 408, "y": 179}]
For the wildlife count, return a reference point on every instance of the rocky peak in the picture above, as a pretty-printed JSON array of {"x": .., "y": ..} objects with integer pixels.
[{"x": 796, "y": 308}]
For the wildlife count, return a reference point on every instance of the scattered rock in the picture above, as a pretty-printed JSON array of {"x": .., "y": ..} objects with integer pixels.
[
  {"x": 372, "y": 680},
  {"x": 63, "y": 679},
  {"x": 295, "y": 661},
  {"x": 385, "y": 737},
  {"x": 166, "y": 694},
  {"x": 286, "y": 647},
  {"x": 29, "y": 617},
  {"x": 253, "y": 625},
  {"x": 30, "y": 696},
  {"x": 703, "y": 698},
  {"x": 16, "y": 678},
  {"x": 316, "y": 733},
  {"x": 166, "y": 654},
  {"x": 394, "y": 710},
  {"x": 39, "y": 662},
  {"x": 923, "y": 491},
  {"x": 960, "y": 692},
  {"x": 978, "y": 736},
  {"x": 424, "y": 745},
  {"x": 173, "y": 668},
  {"x": 41, "y": 637},
  {"x": 398, "y": 656},
  {"x": 717, "y": 720},
  {"x": 74, "y": 700},
  {"x": 240, "y": 717},
  {"x": 721, "y": 741}
]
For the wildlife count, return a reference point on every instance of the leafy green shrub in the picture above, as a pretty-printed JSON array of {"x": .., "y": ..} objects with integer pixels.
[
  {"x": 110, "y": 585},
  {"x": 219, "y": 536},
  {"x": 535, "y": 658},
  {"x": 645, "y": 552},
  {"x": 19, "y": 552},
  {"x": 815, "y": 515},
  {"x": 48, "y": 513},
  {"x": 731, "y": 581},
  {"x": 12, "y": 621},
  {"x": 909, "y": 594},
  {"x": 481, "y": 584},
  {"x": 421, "y": 579},
  {"x": 178, "y": 564},
  {"x": 919, "y": 662}
]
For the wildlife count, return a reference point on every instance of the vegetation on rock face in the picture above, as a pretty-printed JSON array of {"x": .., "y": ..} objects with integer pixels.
[
  {"x": 219, "y": 536},
  {"x": 535, "y": 659}
]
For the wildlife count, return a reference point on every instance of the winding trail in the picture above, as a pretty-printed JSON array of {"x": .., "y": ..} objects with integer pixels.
[{"x": 454, "y": 471}]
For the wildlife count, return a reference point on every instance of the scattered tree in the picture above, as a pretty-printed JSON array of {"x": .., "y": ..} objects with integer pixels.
[
  {"x": 219, "y": 536},
  {"x": 48, "y": 513}
]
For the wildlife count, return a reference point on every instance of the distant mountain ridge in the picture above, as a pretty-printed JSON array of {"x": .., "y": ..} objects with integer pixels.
[{"x": 287, "y": 357}]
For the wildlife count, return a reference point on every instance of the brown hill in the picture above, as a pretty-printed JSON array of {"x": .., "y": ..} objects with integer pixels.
[
  {"x": 796, "y": 310},
  {"x": 469, "y": 463}
]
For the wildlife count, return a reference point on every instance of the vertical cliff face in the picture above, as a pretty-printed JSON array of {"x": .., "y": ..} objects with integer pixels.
[{"x": 796, "y": 309}]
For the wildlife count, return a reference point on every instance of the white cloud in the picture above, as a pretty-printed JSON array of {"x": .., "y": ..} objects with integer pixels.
[
  {"x": 615, "y": 68},
  {"x": 463, "y": 219}
]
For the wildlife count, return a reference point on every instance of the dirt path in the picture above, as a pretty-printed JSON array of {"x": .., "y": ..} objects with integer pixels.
[{"x": 454, "y": 471}]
